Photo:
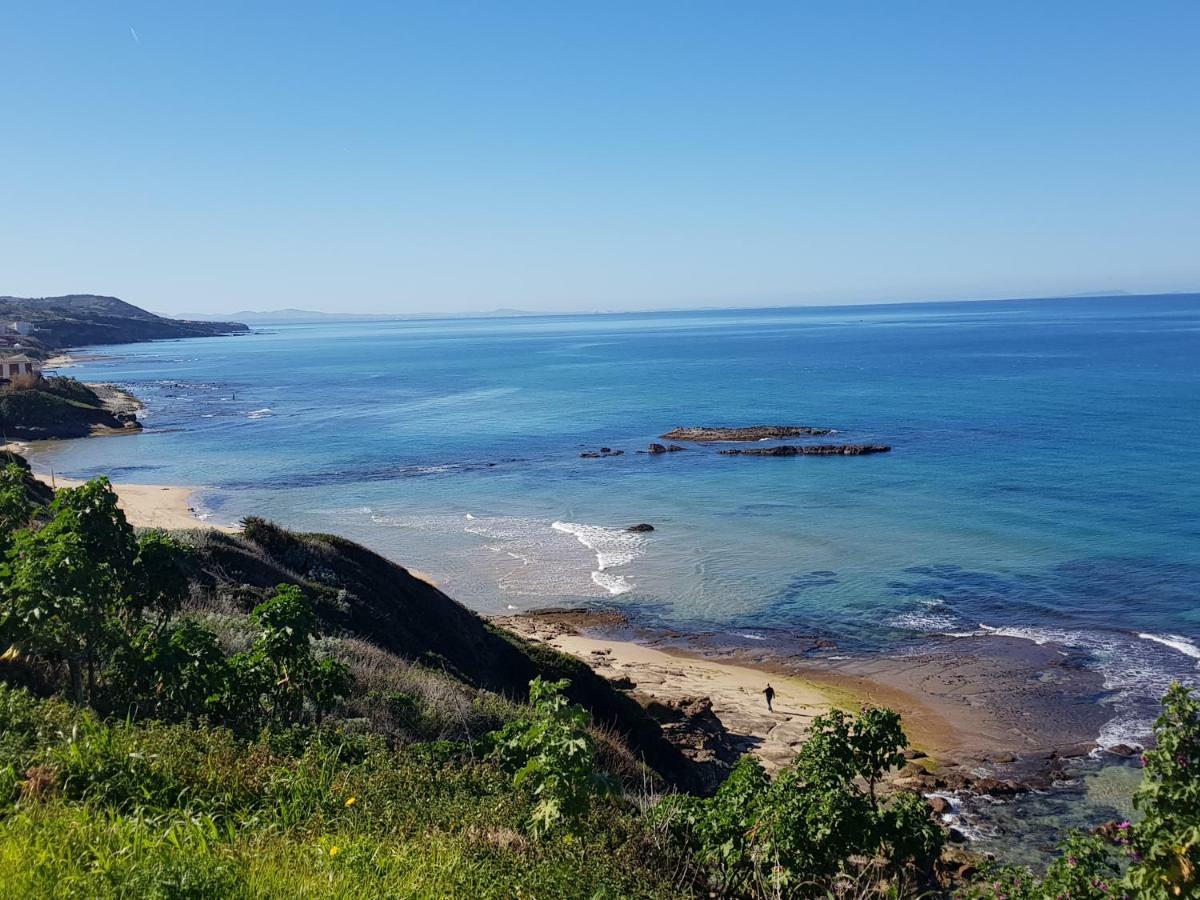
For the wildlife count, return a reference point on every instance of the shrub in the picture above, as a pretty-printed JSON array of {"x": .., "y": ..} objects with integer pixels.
[
  {"x": 553, "y": 757},
  {"x": 805, "y": 826},
  {"x": 1166, "y": 842}
]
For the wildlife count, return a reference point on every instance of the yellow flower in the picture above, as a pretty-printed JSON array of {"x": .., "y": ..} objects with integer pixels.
[
  {"x": 350, "y": 801},
  {"x": 334, "y": 851}
]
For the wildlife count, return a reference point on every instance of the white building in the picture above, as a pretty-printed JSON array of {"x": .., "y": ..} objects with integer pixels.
[
  {"x": 12, "y": 366},
  {"x": 22, "y": 328}
]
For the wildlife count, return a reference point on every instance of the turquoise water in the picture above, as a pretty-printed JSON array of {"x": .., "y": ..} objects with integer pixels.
[{"x": 1044, "y": 481}]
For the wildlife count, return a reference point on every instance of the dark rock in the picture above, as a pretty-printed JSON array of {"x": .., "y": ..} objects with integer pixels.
[
  {"x": 1124, "y": 750},
  {"x": 706, "y": 433},
  {"x": 690, "y": 724},
  {"x": 674, "y": 448},
  {"x": 912, "y": 753},
  {"x": 623, "y": 683},
  {"x": 939, "y": 805},
  {"x": 640, "y": 527},
  {"x": 656, "y": 448},
  {"x": 956, "y": 836},
  {"x": 810, "y": 450},
  {"x": 1073, "y": 751},
  {"x": 996, "y": 788}
]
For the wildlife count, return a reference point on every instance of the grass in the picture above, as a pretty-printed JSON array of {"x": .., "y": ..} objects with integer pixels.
[
  {"x": 152, "y": 810},
  {"x": 62, "y": 851}
]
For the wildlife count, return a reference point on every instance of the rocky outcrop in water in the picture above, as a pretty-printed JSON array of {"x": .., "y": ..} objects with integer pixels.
[
  {"x": 601, "y": 453},
  {"x": 706, "y": 433},
  {"x": 640, "y": 528},
  {"x": 812, "y": 450}
]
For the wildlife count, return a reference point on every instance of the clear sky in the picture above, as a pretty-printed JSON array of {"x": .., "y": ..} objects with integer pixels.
[{"x": 414, "y": 157}]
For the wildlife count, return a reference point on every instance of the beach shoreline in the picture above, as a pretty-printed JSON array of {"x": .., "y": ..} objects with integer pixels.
[{"x": 166, "y": 506}]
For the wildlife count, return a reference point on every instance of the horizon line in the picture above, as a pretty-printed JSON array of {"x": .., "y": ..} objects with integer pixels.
[{"x": 506, "y": 312}]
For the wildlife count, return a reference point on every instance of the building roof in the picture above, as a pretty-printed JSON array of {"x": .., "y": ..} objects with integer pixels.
[{"x": 20, "y": 357}]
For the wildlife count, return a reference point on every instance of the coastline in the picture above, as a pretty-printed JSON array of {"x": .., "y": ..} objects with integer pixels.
[
  {"x": 150, "y": 505},
  {"x": 942, "y": 697}
]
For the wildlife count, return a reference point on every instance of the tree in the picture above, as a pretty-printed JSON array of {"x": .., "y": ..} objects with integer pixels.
[
  {"x": 552, "y": 755},
  {"x": 1166, "y": 843},
  {"x": 78, "y": 590},
  {"x": 813, "y": 818},
  {"x": 282, "y": 666},
  {"x": 67, "y": 581},
  {"x": 159, "y": 578},
  {"x": 178, "y": 672},
  {"x": 15, "y": 508},
  {"x": 876, "y": 744}
]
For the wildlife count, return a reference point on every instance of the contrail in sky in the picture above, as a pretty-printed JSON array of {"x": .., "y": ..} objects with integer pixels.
[{"x": 136, "y": 39}]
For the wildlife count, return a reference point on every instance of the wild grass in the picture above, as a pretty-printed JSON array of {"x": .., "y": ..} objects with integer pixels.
[{"x": 99, "y": 809}]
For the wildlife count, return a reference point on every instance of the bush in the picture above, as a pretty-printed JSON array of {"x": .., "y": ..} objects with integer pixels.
[
  {"x": 1163, "y": 850},
  {"x": 804, "y": 827},
  {"x": 552, "y": 756}
]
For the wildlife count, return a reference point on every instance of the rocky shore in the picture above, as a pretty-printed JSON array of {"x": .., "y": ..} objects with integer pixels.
[
  {"x": 996, "y": 726},
  {"x": 810, "y": 450},
  {"x": 713, "y": 433}
]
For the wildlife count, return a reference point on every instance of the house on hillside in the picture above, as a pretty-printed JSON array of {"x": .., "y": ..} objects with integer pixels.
[
  {"x": 12, "y": 366},
  {"x": 22, "y": 328}
]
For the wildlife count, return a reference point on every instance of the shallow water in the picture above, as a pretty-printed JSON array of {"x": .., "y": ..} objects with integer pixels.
[{"x": 1044, "y": 481}]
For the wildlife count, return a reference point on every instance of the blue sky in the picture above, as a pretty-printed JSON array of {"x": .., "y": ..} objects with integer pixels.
[{"x": 582, "y": 156}]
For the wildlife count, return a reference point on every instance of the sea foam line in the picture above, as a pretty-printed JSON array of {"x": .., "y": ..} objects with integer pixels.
[
  {"x": 613, "y": 548},
  {"x": 1136, "y": 675}
]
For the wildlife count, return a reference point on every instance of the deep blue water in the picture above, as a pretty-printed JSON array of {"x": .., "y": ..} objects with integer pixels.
[{"x": 1044, "y": 481}]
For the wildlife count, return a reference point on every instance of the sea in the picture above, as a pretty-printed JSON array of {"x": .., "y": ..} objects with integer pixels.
[{"x": 1043, "y": 481}]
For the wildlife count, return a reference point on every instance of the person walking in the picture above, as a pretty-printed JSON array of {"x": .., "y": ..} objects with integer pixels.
[{"x": 769, "y": 693}]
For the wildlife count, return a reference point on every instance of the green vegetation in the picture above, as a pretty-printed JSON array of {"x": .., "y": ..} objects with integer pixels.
[
  {"x": 1159, "y": 857},
  {"x": 554, "y": 758},
  {"x": 812, "y": 818},
  {"x": 43, "y": 407},
  {"x": 207, "y": 718}
]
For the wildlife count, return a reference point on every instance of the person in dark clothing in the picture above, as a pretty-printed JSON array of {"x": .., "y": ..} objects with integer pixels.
[{"x": 769, "y": 693}]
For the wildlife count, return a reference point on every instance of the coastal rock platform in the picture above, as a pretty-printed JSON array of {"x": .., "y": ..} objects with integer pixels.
[{"x": 714, "y": 433}]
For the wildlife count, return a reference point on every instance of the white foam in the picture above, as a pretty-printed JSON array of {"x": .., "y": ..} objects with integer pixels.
[
  {"x": 1175, "y": 642},
  {"x": 1135, "y": 674},
  {"x": 613, "y": 546},
  {"x": 924, "y": 622},
  {"x": 614, "y": 584},
  {"x": 752, "y": 637},
  {"x": 260, "y": 413}
]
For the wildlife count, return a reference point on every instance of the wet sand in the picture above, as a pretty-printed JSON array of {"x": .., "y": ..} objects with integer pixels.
[{"x": 969, "y": 702}]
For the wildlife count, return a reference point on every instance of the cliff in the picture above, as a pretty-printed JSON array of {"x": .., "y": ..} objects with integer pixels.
[{"x": 84, "y": 319}]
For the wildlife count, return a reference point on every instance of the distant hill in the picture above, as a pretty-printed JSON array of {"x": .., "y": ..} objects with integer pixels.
[
  {"x": 301, "y": 316},
  {"x": 83, "y": 319},
  {"x": 286, "y": 316}
]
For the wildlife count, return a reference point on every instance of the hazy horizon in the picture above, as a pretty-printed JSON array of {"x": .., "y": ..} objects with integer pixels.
[{"x": 424, "y": 158}]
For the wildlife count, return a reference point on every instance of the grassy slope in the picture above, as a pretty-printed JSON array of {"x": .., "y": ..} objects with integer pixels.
[
  {"x": 56, "y": 407},
  {"x": 172, "y": 811},
  {"x": 119, "y": 809},
  {"x": 359, "y": 594}
]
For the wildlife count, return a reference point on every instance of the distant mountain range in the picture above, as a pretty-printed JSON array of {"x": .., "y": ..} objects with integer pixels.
[{"x": 77, "y": 320}]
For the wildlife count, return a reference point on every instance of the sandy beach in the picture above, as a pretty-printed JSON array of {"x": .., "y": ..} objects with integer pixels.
[
  {"x": 151, "y": 505},
  {"x": 993, "y": 701},
  {"x": 736, "y": 691}
]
